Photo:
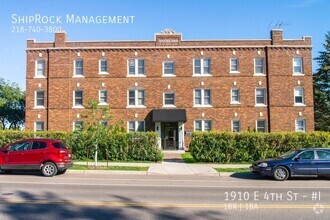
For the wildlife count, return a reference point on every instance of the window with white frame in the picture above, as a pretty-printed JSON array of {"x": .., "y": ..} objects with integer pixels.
[
  {"x": 78, "y": 125},
  {"x": 39, "y": 98},
  {"x": 297, "y": 65},
  {"x": 168, "y": 68},
  {"x": 259, "y": 66},
  {"x": 103, "y": 66},
  {"x": 260, "y": 96},
  {"x": 104, "y": 123},
  {"x": 234, "y": 65},
  {"x": 261, "y": 125},
  {"x": 78, "y": 98},
  {"x": 40, "y": 68},
  {"x": 235, "y": 126},
  {"x": 202, "y": 66},
  {"x": 39, "y": 126},
  {"x": 136, "y": 126},
  {"x": 136, "y": 97},
  {"x": 203, "y": 125},
  {"x": 235, "y": 96},
  {"x": 299, "y": 96},
  {"x": 136, "y": 67},
  {"x": 202, "y": 97},
  {"x": 79, "y": 67},
  {"x": 169, "y": 99},
  {"x": 103, "y": 97},
  {"x": 301, "y": 125}
]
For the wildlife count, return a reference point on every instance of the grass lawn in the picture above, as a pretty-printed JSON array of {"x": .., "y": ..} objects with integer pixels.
[
  {"x": 187, "y": 158},
  {"x": 233, "y": 170},
  {"x": 125, "y": 168}
]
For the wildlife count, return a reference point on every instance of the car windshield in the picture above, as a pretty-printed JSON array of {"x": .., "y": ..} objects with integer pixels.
[{"x": 289, "y": 154}]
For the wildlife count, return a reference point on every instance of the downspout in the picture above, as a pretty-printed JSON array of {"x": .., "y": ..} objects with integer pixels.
[
  {"x": 267, "y": 88},
  {"x": 47, "y": 109}
]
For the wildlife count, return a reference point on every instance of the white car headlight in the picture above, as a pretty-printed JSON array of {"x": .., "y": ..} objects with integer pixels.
[{"x": 263, "y": 165}]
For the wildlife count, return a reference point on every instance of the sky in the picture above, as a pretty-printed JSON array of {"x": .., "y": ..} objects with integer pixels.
[{"x": 195, "y": 19}]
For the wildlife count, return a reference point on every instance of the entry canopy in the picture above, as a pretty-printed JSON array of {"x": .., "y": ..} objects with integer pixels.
[{"x": 169, "y": 115}]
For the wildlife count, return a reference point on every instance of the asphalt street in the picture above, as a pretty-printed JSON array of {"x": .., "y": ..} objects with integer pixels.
[{"x": 111, "y": 196}]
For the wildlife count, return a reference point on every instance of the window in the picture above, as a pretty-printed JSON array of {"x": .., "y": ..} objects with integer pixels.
[
  {"x": 168, "y": 68},
  {"x": 259, "y": 66},
  {"x": 59, "y": 145},
  {"x": 235, "y": 126},
  {"x": 261, "y": 125},
  {"x": 78, "y": 98},
  {"x": 104, "y": 123},
  {"x": 78, "y": 67},
  {"x": 39, "y": 126},
  {"x": 202, "y": 97},
  {"x": 103, "y": 97},
  {"x": 297, "y": 65},
  {"x": 169, "y": 99},
  {"x": 103, "y": 66},
  {"x": 234, "y": 65},
  {"x": 203, "y": 125},
  {"x": 235, "y": 96},
  {"x": 202, "y": 66},
  {"x": 323, "y": 155},
  {"x": 136, "y": 67},
  {"x": 260, "y": 96},
  {"x": 136, "y": 126},
  {"x": 136, "y": 98},
  {"x": 307, "y": 155},
  {"x": 40, "y": 68},
  {"x": 20, "y": 146},
  {"x": 39, "y": 98},
  {"x": 301, "y": 125},
  {"x": 78, "y": 125},
  {"x": 37, "y": 145},
  {"x": 299, "y": 96}
]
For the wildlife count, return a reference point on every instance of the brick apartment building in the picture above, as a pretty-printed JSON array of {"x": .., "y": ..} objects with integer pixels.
[{"x": 173, "y": 86}]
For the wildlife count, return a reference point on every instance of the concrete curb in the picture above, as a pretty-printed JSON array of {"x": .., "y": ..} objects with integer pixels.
[{"x": 107, "y": 172}]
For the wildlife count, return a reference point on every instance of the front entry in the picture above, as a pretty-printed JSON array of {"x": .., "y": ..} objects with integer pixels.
[{"x": 169, "y": 135}]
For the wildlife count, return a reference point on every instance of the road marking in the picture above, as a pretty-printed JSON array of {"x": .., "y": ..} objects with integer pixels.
[{"x": 156, "y": 205}]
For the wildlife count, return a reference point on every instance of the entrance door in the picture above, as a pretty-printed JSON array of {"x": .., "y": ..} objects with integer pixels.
[{"x": 170, "y": 135}]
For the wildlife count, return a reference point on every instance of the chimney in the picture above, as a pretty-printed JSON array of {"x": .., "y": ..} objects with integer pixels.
[
  {"x": 60, "y": 39},
  {"x": 276, "y": 36}
]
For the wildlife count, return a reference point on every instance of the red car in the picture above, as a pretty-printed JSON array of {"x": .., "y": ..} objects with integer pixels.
[{"x": 49, "y": 156}]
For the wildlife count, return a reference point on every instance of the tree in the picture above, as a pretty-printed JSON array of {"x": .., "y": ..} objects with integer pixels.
[
  {"x": 96, "y": 125},
  {"x": 321, "y": 88},
  {"x": 12, "y": 105}
]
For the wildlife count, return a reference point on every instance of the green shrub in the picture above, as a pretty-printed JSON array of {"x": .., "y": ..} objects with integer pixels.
[
  {"x": 245, "y": 147},
  {"x": 112, "y": 146}
]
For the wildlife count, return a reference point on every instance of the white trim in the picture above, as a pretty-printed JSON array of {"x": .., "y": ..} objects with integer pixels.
[
  {"x": 136, "y": 67},
  {"x": 304, "y": 125},
  {"x": 136, "y": 125},
  {"x": 232, "y": 125},
  {"x": 202, "y": 74},
  {"x": 35, "y": 100},
  {"x": 301, "y": 66},
  {"x": 103, "y": 103},
  {"x": 102, "y": 72},
  {"x": 263, "y": 66},
  {"x": 74, "y": 68},
  {"x": 255, "y": 98},
  {"x": 36, "y": 69},
  {"x": 168, "y": 75},
  {"x": 136, "y": 100},
  {"x": 202, "y": 105},
  {"x": 231, "y": 97},
  {"x": 168, "y": 106}
]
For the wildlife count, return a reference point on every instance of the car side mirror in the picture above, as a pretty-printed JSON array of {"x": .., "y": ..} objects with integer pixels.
[
  {"x": 297, "y": 158},
  {"x": 6, "y": 151}
]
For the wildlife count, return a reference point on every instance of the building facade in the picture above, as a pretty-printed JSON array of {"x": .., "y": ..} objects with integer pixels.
[{"x": 173, "y": 86}]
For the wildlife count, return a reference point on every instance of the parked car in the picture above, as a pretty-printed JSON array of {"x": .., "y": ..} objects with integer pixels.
[
  {"x": 49, "y": 156},
  {"x": 302, "y": 162}
]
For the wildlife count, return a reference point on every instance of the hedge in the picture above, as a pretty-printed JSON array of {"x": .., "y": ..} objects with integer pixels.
[
  {"x": 117, "y": 146},
  {"x": 245, "y": 147}
]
